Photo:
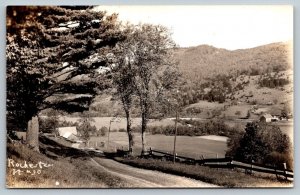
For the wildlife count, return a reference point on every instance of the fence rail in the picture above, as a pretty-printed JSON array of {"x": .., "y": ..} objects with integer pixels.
[{"x": 224, "y": 163}]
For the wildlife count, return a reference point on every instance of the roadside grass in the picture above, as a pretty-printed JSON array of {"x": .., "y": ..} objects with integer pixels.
[
  {"x": 221, "y": 177},
  {"x": 65, "y": 173}
]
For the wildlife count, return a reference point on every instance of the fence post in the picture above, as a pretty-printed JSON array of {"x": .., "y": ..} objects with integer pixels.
[
  {"x": 275, "y": 169},
  {"x": 218, "y": 161},
  {"x": 231, "y": 164},
  {"x": 285, "y": 173},
  {"x": 252, "y": 161},
  {"x": 175, "y": 135}
]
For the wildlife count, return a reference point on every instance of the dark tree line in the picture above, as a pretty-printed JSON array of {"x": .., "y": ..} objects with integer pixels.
[
  {"x": 196, "y": 128},
  {"x": 273, "y": 82}
]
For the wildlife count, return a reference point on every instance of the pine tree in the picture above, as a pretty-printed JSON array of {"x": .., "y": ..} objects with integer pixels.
[{"x": 55, "y": 58}]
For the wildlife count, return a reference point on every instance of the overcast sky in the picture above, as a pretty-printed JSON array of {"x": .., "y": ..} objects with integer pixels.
[{"x": 230, "y": 27}]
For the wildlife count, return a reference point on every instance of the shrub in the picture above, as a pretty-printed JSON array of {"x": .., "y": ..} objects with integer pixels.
[
  {"x": 48, "y": 124},
  {"x": 122, "y": 130},
  {"x": 238, "y": 113},
  {"x": 262, "y": 143},
  {"x": 277, "y": 159},
  {"x": 193, "y": 110},
  {"x": 102, "y": 131},
  {"x": 156, "y": 129},
  {"x": 253, "y": 102},
  {"x": 85, "y": 130},
  {"x": 67, "y": 123},
  {"x": 273, "y": 81}
]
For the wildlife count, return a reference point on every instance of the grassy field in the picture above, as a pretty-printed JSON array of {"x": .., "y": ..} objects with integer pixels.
[{"x": 186, "y": 145}]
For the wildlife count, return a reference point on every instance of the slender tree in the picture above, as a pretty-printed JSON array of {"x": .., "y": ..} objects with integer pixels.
[
  {"x": 86, "y": 129},
  {"x": 149, "y": 55},
  {"x": 123, "y": 81},
  {"x": 142, "y": 69}
]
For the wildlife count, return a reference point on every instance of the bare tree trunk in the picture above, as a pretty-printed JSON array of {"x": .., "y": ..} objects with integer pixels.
[
  {"x": 143, "y": 135},
  {"x": 32, "y": 137},
  {"x": 129, "y": 132},
  {"x": 144, "y": 128}
]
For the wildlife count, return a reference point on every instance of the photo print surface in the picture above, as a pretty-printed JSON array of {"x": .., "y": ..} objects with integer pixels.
[{"x": 149, "y": 96}]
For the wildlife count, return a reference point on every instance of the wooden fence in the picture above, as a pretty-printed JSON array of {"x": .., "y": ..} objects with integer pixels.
[{"x": 224, "y": 163}]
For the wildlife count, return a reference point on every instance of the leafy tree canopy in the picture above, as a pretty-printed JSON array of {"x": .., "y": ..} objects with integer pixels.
[{"x": 262, "y": 143}]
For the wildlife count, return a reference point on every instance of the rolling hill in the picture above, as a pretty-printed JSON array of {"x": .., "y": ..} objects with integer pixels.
[
  {"x": 243, "y": 68},
  {"x": 204, "y": 61}
]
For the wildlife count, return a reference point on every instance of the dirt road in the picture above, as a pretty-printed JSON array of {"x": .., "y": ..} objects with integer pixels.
[{"x": 141, "y": 178}]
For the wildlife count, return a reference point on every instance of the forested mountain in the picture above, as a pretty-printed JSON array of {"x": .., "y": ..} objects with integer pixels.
[{"x": 197, "y": 63}]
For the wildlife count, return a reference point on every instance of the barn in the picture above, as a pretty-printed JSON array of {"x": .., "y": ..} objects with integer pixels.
[
  {"x": 69, "y": 133},
  {"x": 266, "y": 118},
  {"x": 269, "y": 118}
]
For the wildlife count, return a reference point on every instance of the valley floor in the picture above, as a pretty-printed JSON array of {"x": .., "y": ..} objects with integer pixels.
[{"x": 75, "y": 168}]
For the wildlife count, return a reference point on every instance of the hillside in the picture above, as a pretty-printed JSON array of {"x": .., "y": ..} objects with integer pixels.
[
  {"x": 225, "y": 83},
  {"x": 57, "y": 166},
  {"x": 206, "y": 61},
  {"x": 248, "y": 97}
]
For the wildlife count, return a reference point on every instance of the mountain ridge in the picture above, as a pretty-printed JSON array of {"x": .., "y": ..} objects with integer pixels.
[{"x": 205, "y": 61}]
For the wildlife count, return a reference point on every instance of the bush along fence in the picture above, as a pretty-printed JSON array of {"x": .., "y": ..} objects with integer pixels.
[{"x": 223, "y": 163}]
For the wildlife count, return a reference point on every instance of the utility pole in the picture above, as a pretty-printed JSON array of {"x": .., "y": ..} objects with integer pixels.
[
  {"x": 111, "y": 120},
  {"x": 174, "y": 149},
  {"x": 176, "y": 119}
]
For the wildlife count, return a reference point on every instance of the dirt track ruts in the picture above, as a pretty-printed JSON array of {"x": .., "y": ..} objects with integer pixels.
[{"x": 141, "y": 178}]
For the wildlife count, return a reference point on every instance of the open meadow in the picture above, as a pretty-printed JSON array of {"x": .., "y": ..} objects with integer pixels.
[
  {"x": 193, "y": 147},
  {"x": 209, "y": 146},
  {"x": 120, "y": 123}
]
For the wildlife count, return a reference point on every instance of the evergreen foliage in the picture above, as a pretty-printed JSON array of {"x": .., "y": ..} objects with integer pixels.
[
  {"x": 262, "y": 143},
  {"x": 54, "y": 59}
]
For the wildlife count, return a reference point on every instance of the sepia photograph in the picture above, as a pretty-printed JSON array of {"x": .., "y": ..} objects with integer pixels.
[{"x": 149, "y": 96}]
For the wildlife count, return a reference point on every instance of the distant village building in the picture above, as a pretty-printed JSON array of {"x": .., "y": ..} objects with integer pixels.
[{"x": 269, "y": 118}]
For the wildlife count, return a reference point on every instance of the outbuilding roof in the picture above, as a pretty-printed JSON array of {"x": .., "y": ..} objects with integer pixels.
[{"x": 66, "y": 132}]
